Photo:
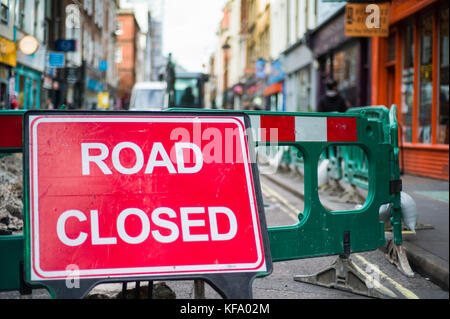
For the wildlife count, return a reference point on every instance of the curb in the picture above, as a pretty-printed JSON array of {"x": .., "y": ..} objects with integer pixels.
[
  {"x": 421, "y": 261},
  {"x": 426, "y": 263}
]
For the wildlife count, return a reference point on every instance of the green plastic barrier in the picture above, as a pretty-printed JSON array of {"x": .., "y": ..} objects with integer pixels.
[
  {"x": 354, "y": 159},
  {"x": 356, "y": 171},
  {"x": 11, "y": 246},
  {"x": 11, "y": 257},
  {"x": 356, "y": 164},
  {"x": 318, "y": 232}
]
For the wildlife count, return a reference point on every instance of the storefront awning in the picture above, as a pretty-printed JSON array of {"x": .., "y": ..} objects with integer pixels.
[{"x": 274, "y": 88}]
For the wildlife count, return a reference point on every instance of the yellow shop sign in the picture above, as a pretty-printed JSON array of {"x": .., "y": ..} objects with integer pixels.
[{"x": 8, "y": 52}]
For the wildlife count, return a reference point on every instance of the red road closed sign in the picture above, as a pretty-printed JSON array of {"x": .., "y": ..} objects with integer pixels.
[{"x": 124, "y": 196}]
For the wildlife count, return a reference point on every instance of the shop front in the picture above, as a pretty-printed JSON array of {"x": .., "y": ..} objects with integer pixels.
[
  {"x": 344, "y": 59},
  {"x": 411, "y": 70},
  {"x": 28, "y": 87}
]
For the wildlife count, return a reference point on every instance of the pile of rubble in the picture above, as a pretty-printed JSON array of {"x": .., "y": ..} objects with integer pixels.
[{"x": 11, "y": 185}]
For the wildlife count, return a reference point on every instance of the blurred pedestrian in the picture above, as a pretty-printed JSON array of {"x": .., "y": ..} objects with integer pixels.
[
  {"x": 14, "y": 102},
  {"x": 170, "y": 80},
  {"x": 188, "y": 98},
  {"x": 332, "y": 101}
]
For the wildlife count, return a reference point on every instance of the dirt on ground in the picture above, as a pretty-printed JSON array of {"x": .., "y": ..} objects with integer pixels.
[{"x": 11, "y": 188}]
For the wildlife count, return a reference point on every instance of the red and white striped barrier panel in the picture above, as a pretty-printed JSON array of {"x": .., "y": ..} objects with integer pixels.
[
  {"x": 269, "y": 128},
  {"x": 277, "y": 128}
]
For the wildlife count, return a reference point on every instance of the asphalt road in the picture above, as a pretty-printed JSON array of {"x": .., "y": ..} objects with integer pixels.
[{"x": 281, "y": 209}]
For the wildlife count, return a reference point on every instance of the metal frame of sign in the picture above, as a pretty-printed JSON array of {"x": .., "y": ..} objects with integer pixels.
[{"x": 233, "y": 285}]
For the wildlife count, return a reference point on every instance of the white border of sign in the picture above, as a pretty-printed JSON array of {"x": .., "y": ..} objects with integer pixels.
[{"x": 38, "y": 274}]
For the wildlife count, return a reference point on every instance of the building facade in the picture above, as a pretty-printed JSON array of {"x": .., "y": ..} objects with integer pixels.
[
  {"x": 257, "y": 33},
  {"x": 297, "y": 57},
  {"x": 30, "y": 67},
  {"x": 410, "y": 68},
  {"x": 8, "y": 53},
  {"x": 127, "y": 54}
]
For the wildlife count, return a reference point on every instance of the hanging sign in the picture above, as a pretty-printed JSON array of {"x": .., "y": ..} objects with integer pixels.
[{"x": 367, "y": 20}]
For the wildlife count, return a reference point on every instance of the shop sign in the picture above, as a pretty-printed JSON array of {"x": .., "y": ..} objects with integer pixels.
[
  {"x": 276, "y": 73},
  {"x": 103, "y": 65},
  {"x": 56, "y": 60},
  {"x": 8, "y": 51},
  {"x": 103, "y": 100},
  {"x": 65, "y": 45},
  {"x": 93, "y": 85},
  {"x": 260, "y": 68},
  {"x": 367, "y": 20}
]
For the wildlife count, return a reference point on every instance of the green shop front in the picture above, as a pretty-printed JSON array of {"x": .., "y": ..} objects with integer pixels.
[{"x": 28, "y": 87}]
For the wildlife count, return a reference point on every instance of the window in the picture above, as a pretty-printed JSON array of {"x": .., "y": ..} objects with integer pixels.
[
  {"x": 34, "y": 95},
  {"x": 20, "y": 14},
  {"x": 304, "y": 90},
  {"x": 345, "y": 71},
  {"x": 118, "y": 58},
  {"x": 4, "y": 83},
  {"x": 98, "y": 13},
  {"x": 39, "y": 19},
  {"x": 391, "y": 47},
  {"x": 88, "y": 6},
  {"x": 443, "y": 98},
  {"x": 21, "y": 87},
  {"x": 48, "y": 20},
  {"x": 426, "y": 78},
  {"x": 4, "y": 12},
  {"x": 425, "y": 44},
  {"x": 407, "y": 81},
  {"x": 119, "y": 30}
]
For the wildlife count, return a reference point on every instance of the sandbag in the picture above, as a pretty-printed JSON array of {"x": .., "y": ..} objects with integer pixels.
[
  {"x": 408, "y": 208},
  {"x": 323, "y": 173}
]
